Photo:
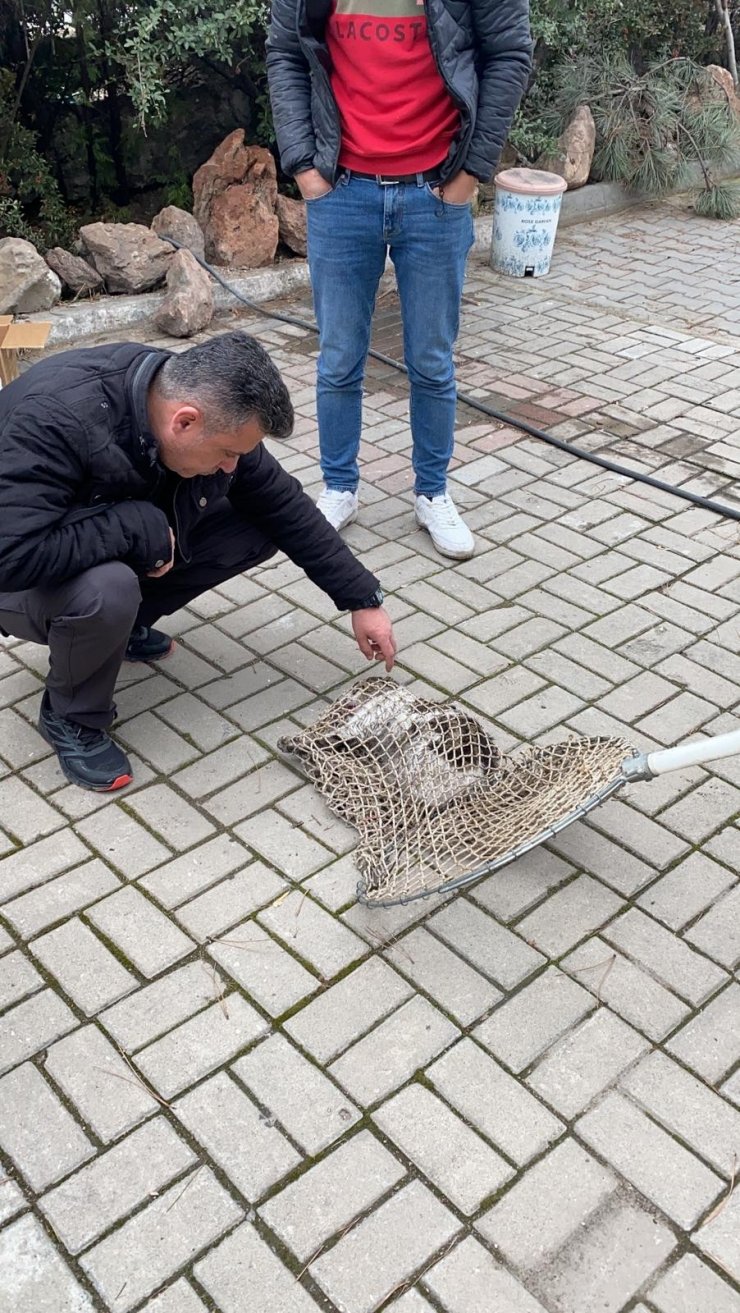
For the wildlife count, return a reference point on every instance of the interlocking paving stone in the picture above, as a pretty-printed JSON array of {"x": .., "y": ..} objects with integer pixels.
[
  {"x": 148, "y": 1013},
  {"x": 12, "y": 1201},
  {"x": 200, "y": 1044},
  {"x": 177, "y": 1298},
  {"x": 549, "y": 1204},
  {"x": 385, "y": 1249},
  {"x": 718, "y": 931},
  {"x": 348, "y": 1009},
  {"x": 18, "y": 978},
  {"x": 719, "y": 1238},
  {"x": 124, "y": 843},
  {"x": 99, "y": 1082},
  {"x": 646, "y": 838},
  {"x": 469, "y": 1280},
  {"x": 143, "y": 934},
  {"x": 463, "y": 1167},
  {"x": 165, "y": 812},
  {"x": 244, "y": 1262},
  {"x": 690, "y": 1285},
  {"x": 491, "y": 948},
  {"x": 304, "y": 1101},
  {"x": 411, "y": 1302},
  {"x": 454, "y": 986},
  {"x": 626, "y": 988},
  {"x": 690, "y": 888},
  {"x": 252, "y": 1153},
  {"x": 687, "y": 1108},
  {"x": 36, "y": 1130},
  {"x": 491, "y": 1100},
  {"x": 264, "y": 786},
  {"x": 240, "y": 893},
  {"x": 688, "y": 974},
  {"x": 325, "y": 1199},
  {"x": 282, "y": 844},
  {"x": 308, "y": 930},
  {"x": 661, "y": 1169},
  {"x": 88, "y": 973},
  {"x": 134, "y": 1261},
  {"x": 569, "y": 915},
  {"x": 40, "y": 861},
  {"x": 264, "y": 969},
  {"x": 586, "y": 1061},
  {"x": 33, "y": 1276},
  {"x": 31, "y": 1025},
  {"x": 60, "y": 897},
  {"x": 188, "y": 875},
  {"x": 608, "y": 1262},
  {"x": 710, "y": 1042},
  {"x": 521, "y": 1029},
  {"x": 104, "y": 1192},
  {"x": 512, "y": 890},
  {"x": 390, "y": 1054}
]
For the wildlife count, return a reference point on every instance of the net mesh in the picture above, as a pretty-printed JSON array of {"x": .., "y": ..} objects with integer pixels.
[{"x": 435, "y": 802}]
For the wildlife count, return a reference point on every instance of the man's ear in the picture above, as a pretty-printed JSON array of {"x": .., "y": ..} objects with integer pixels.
[{"x": 185, "y": 418}]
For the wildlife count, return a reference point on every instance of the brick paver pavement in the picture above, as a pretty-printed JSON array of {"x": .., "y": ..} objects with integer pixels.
[{"x": 227, "y": 1086}]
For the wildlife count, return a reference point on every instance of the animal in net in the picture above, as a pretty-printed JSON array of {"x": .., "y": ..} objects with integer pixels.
[{"x": 434, "y": 800}]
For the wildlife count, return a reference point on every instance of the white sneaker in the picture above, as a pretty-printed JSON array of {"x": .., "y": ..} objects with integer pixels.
[
  {"x": 449, "y": 533},
  {"x": 339, "y": 508}
]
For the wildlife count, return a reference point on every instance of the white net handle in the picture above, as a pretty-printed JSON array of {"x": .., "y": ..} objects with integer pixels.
[{"x": 647, "y": 765}]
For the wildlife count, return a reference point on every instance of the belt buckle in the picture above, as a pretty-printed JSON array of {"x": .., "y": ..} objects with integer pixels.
[{"x": 382, "y": 181}]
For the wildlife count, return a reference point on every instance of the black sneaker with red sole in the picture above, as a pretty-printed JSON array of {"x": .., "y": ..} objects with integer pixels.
[{"x": 88, "y": 757}]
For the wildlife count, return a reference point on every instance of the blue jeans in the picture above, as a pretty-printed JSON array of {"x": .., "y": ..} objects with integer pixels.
[{"x": 350, "y": 231}]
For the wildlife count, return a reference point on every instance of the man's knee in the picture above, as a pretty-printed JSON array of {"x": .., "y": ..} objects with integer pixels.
[{"x": 108, "y": 595}]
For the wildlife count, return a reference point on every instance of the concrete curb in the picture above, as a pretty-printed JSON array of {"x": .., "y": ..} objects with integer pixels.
[{"x": 72, "y": 323}]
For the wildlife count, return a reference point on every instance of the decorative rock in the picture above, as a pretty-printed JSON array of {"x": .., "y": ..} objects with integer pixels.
[
  {"x": 75, "y": 273},
  {"x": 188, "y": 305},
  {"x": 235, "y": 193},
  {"x": 184, "y": 227},
  {"x": 130, "y": 257},
  {"x": 723, "y": 79},
  {"x": 292, "y": 224},
  {"x": 27, "y": 284},
  {"x": 573, "y": 158}
]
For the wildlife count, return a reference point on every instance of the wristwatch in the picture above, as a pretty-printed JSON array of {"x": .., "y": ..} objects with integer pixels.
[{"x": 376, "y": 599}]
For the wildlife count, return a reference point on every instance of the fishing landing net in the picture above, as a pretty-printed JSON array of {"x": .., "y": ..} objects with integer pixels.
[{"x": 435, "y": 802}]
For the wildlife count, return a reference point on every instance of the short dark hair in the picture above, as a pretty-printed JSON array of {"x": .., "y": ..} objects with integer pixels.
[{"x": 231, "y": 379}]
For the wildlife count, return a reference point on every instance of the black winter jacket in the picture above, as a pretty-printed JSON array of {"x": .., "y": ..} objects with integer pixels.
[
  {"x": 80, "y": 482},
  {"x": 483, "y": 51}
]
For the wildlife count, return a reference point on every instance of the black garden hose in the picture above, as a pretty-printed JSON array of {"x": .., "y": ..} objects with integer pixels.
[{"x": 706, "y": 503}]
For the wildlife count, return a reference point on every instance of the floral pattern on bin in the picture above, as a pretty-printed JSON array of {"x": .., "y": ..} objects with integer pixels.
[{"x": 514, "y": 202}]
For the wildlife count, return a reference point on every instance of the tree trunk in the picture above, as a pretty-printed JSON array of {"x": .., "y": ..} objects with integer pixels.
[
  {"x": 92, "y": 165},
  {"x": 113, "y": 102},
  {"x": 723, "y": 14}
]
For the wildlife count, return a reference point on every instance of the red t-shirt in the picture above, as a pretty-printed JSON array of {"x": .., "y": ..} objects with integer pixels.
[{"x": 397, "y": 115}]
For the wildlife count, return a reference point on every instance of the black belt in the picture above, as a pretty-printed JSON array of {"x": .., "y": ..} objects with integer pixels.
[{"x": 394, "y": 179}]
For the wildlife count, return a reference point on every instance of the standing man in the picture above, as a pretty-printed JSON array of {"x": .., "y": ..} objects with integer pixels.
[
  {"x": 131, "y": 481},
  {"x": 388, "y": 113}
]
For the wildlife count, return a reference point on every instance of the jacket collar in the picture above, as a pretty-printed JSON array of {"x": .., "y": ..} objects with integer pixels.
[{"x": 138, "y": 380}]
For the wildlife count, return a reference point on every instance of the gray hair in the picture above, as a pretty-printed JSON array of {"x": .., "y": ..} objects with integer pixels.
[{"x": 231, "y": 379}]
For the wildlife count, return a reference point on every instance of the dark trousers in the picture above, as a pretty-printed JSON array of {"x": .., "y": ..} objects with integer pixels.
[{"x": 86, "y": 621}]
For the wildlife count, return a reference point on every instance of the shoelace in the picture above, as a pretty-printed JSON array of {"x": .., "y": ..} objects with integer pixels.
[
  {"x": 444, "y": 509},
  {"x": 88, "y": 737}
]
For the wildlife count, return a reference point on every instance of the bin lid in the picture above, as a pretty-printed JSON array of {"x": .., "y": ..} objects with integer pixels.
[{"x": 531, "y": 182}]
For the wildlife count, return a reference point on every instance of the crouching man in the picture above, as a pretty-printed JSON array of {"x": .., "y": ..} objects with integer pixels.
[{"x": 131, "y": 481}]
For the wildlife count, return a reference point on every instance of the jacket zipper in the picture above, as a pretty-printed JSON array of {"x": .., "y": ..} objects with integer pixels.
[
  {"x": 461, "y": 104},
  {"x": 179, "y": 536}
]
